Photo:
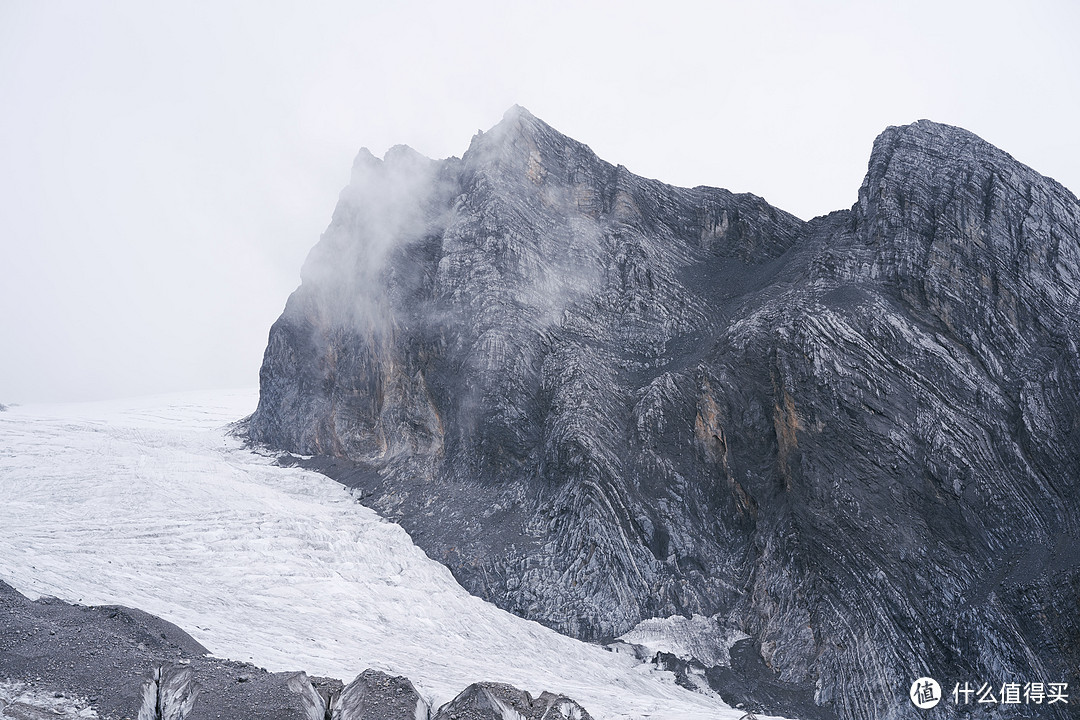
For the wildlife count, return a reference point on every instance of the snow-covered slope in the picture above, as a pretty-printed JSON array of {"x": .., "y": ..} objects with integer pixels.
[{"x": 150, "y": 503}]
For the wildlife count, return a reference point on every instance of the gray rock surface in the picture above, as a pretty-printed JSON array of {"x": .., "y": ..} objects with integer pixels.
[
  {"x": 59, "y": 660},
  {"x": 374, "y": 695},
  {"x": 598, "y": 399},
  {"x": 498, "y": 701},
  {"x": 126, "y": 663},
  {"x": 169, "y": 693}
]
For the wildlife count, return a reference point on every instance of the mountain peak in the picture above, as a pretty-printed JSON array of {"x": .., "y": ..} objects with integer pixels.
[
  {"x": 521, "y": 139},
  {"x": 945, "y": 159},
  {"x": 516, "y": 112},
  {"x": 534, "y": 353},
  {"x": 517, "y": 122},
  {"x": 924, "y": 156},
  {"x": 365, "y": 159},
  {"x": 927, "y": 147}
]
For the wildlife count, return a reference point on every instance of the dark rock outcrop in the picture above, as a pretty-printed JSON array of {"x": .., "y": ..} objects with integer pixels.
[
  {"x": 169, "y": 693},
  {"x": 374, "y": 695},
  {"x": 64, "y": 660},
  {"x": 125, "y": 663},
  {"x": 598, "y": 398},
  {"x": 498, "y": 701}
]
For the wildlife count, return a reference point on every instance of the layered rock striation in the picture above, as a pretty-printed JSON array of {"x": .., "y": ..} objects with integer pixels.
[{"x": 599, "y": 399}]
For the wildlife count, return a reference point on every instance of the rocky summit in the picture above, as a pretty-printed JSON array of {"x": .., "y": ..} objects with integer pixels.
[{"x": 852, "y": 443}]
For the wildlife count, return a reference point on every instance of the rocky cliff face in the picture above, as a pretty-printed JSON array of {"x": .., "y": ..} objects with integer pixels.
[{"x": 599, "y": 399}]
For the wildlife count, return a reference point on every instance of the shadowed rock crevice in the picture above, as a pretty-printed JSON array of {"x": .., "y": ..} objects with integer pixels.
[
  {"x": 169, "y": 693},
  {"x": 600, "y": 399}
]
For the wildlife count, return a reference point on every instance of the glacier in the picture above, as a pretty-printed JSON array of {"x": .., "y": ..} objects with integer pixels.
[{"x": 153, "y": 503}]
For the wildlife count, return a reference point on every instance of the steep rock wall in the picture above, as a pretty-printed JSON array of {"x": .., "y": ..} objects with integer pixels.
[{"x": 598, "y": 399}]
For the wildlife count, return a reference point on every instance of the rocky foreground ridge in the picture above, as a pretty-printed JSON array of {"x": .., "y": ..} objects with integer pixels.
[
  {"x": 853, "y": 442},
  {"x": 59, "y": 660}
]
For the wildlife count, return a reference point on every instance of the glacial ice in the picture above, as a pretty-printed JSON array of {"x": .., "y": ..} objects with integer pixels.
[{"x": 151, "y": 503}]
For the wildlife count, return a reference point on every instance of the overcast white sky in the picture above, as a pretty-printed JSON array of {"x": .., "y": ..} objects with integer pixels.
[{"x": 164, "y": 169}]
